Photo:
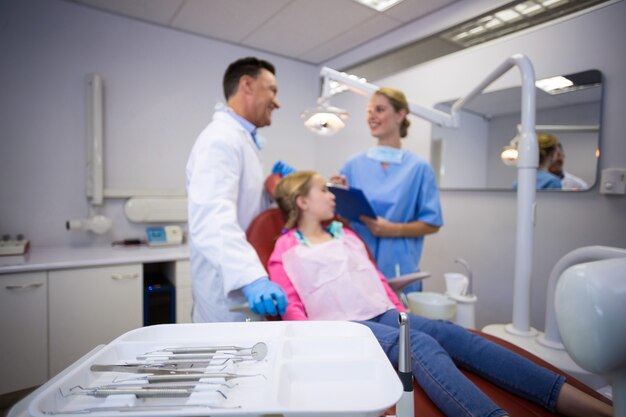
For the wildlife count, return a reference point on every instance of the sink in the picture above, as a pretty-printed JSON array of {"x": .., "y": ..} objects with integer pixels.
[{"x": 432, "y": 305}]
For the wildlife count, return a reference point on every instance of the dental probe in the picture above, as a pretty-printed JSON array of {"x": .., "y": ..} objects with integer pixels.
[{"x": 405, "y": 407}]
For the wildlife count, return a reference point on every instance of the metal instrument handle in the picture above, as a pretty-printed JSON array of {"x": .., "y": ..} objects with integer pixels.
[
  {"x": 404, "y": 359},
  {"x": 119, "y": 277},
  {"x": 24, "y": 287}
]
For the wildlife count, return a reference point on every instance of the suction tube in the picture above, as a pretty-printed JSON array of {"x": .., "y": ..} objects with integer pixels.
[{"x": 406, "y": 406}]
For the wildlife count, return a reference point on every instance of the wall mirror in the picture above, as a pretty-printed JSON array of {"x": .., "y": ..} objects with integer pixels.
[{"x": 568, "y": 106}]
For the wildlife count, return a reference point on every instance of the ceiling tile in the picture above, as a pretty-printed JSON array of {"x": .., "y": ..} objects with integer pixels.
[
  {"x": 351, "y": 38},
  {"x": 305, "y": 24},
  {"x": 156, "y": 11},
  {"x": 410, "y": 10},
  {"x": 229, "y": 20}
]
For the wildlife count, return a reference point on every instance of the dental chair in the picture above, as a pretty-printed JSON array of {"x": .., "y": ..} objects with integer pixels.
[
  {"x": 590, "y": 307},
  {"x": 267, "y": 227}
]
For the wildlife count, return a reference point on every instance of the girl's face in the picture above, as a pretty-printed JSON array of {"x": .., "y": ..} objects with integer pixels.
[
  {"x": 319, "y": 203},
  {"x": 382, "y": 118}
]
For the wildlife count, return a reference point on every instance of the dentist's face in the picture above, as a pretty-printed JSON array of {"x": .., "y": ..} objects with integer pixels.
[
  {"x": 558, "y": 159},
  {"x": 264, "y": 89},
  {"x": 382, "y": 118}
]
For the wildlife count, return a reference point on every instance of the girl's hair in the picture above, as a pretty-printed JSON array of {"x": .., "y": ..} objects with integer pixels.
[
  {"x": 547, "y": 146},
  {"x": 297, "y": 184},
  {"x": 398, "y": 102}
]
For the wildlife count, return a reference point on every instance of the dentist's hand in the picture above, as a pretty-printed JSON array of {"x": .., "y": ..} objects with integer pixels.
[
  {"x": 282, "y": 168},
  {"x": 261, "y": 295}
]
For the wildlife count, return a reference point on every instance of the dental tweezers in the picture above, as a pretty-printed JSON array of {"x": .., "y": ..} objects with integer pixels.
[{"x": 139, "y": 408}]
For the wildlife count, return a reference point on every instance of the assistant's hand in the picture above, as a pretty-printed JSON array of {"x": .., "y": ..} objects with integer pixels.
[
  {"x": 261, "y": 295},
  {"x": 381, "y": 227},
  {"x": 282, "y": 168}
]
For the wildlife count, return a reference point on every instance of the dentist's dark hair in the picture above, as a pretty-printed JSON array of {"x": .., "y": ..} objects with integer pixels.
[{"x": 250, "y": 66}]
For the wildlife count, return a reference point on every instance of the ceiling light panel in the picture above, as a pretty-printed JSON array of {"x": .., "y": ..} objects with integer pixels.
[
  {"x": 379, "y": 5},
  {"x": 512, "y": 18}
]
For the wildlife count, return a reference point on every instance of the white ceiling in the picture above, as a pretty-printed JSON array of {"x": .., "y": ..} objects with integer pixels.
[
  {"x": 508, "y": 100},
  {"x": 312, "y": 31}
]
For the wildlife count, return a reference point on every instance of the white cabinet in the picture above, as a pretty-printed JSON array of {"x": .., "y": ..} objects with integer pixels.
[
  {"x": 183, "y": 292},
  {"x": 23, "y": 330},
  {"x": 89, "y": 307}
]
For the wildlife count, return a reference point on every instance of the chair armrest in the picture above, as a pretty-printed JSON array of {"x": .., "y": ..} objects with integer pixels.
[
  {"x": 398, "y": 283},
  {"x": 245, "y": 309}
]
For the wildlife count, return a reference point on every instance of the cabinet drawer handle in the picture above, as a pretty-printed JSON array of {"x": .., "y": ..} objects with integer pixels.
[
  {"x": 24, "y": 287},
  {"x": 119, "y": 277}
]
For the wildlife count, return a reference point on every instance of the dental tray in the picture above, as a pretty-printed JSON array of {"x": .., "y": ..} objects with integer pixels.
[{"x": 309, "y": 369}]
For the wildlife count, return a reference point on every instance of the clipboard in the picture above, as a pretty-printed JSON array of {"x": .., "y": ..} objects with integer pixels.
[{"x": 351, "y": 203}]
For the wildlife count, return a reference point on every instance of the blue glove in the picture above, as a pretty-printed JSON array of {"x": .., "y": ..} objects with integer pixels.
[
  {"x": 264, "y": 296},
  {"x": 282, "y": 168}
]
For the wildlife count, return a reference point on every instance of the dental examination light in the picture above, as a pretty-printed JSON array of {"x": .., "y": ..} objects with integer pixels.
[
  {"x": 509, "y": 153},
  {"x": 327, "y": 120}
]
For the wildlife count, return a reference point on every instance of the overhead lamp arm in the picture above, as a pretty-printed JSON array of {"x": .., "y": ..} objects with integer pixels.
[{"x": 361, "y": 87}]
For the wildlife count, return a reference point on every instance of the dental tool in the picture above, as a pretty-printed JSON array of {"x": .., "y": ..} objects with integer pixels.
[
  {"x": 258, "y": 354},
  {"x": 139, "y": 408},
  {"x": 257, "y": 347},
  {"x": 142, "y": 392},
  {"x": 405, "y": 407},
  {"x": 187, "y": 377}
]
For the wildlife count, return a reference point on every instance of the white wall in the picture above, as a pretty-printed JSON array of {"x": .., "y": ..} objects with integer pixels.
[
  {"x": 160, "y": 89},
  {"x": 479, "y": 225}
]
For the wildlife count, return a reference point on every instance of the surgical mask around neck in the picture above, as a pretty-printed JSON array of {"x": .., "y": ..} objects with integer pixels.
[
  {"x": 260, "y": 141},
  {"x": 385, "y": 154}
]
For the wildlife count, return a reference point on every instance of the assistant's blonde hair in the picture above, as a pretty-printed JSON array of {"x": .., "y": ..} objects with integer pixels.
[
  {"x": 398, "y": 102},
  {"x": 297, "y": 184},
  {"x": 547, "y": 146}
]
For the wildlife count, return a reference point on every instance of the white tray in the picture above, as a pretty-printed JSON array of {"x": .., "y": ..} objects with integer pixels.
[{"x": 311, "y": 369}]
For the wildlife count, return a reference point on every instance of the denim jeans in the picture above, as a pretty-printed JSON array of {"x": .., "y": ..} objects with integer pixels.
[{"x": 438, "y": 347}]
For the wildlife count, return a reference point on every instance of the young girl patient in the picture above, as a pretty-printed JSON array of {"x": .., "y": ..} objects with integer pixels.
[{"x": 327, "y": 275}]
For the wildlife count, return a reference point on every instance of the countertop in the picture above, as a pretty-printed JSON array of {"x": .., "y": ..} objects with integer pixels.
[{"x": 63, "y": 257}]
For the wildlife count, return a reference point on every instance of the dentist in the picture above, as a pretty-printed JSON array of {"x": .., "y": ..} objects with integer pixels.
[{"x": 225, "y": 192}]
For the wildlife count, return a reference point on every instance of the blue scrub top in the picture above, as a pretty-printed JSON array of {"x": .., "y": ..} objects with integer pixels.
[
  {"x": 545, "y": 181},
  {"x": 401, "y": 193}
]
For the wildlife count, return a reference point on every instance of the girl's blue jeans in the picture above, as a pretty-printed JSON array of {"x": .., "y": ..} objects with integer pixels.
[{"x": 438, "y": 347}]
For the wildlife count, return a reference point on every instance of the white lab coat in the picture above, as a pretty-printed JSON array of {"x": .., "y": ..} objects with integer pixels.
[
  {"x": 572, "y": 182},
  {"x": 225, "y": 192}
]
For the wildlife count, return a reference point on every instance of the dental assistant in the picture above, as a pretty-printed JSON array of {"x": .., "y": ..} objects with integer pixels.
[
  {"x": 400, "y": 186},
  {"x": 225, "y": 192}
]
